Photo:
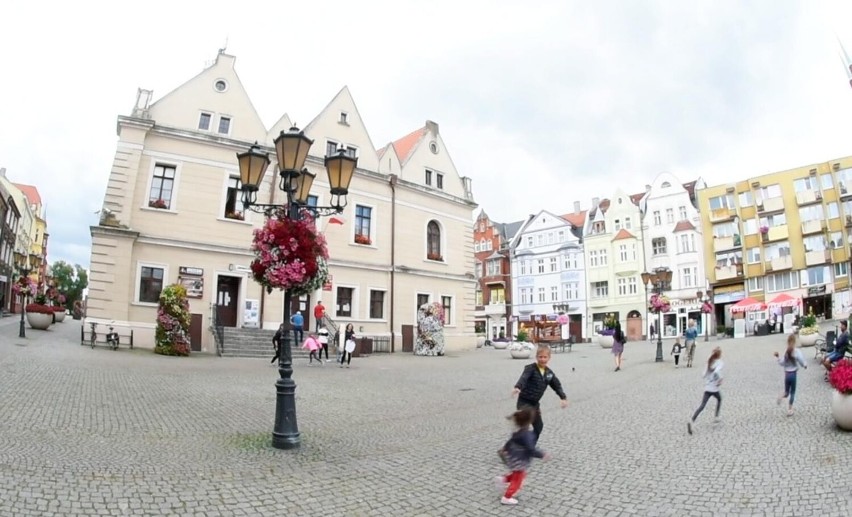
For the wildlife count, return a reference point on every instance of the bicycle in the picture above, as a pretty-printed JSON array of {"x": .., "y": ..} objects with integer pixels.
[{"x": 93, "y": 337}]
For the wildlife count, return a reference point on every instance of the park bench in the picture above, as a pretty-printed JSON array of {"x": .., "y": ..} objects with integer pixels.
[
  {"x": 125, "y": 336},
  {"x": 556, "y": 342}
]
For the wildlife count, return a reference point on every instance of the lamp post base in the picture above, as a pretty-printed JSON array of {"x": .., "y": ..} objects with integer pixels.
[
  {"x": 659, "y": 358},
  {"x": 285, "y": 435},
  {"x": 23, "y": 330}
]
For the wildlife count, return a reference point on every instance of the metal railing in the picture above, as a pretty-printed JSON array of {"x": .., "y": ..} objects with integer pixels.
[{"x": 216, "y": 328}]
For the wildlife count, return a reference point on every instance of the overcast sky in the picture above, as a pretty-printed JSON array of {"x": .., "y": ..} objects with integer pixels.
[{"x": 540, "y": 104}]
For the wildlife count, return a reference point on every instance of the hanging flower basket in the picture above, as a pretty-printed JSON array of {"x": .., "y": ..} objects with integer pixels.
[
  {"x": 660, "y": 303},
  {"x": 290, "y": 254}
]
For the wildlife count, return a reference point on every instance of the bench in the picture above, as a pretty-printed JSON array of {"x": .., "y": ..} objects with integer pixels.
[
  {"x": 124, "y": 338},
  {"x": 555, "y": 342}
]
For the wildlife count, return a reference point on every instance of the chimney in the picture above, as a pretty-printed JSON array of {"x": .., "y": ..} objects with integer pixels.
[
  {"x": 595, "y": 202},
  {"x": 576, "y": 207},
  {"x": 432, "y": 127},
  {"x": 647, "y": 188}
]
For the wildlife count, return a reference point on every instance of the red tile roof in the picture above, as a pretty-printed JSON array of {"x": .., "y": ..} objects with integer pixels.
[
  {"x": 623, "y": 234},
  {"x": 406, "y": 144},
  {"x": 31, "y": 192},
  {"x": 577, "y": 220},
  {"x": 683, "y": 226}
]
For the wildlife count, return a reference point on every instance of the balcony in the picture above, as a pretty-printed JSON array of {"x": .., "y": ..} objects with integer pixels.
[
  {"x": 844, "y": 192},
  {"x": 811, "y": 227},
  {"x": 780, "y": 263},
  {"x": 807, "y": 197},
  {"x": 495, "y": 309},
  {"x": 625, "y": 268},
  {"x": 726, "y": 243},
  {"x": 816, "y": 258},
  {"x": 777, "y": 233},
  {"x": 722, "y": 214},
  {"x": 595, "y": 303},
  {"x": 729, "y": 272},
  {"x": 773, "y": 204}
]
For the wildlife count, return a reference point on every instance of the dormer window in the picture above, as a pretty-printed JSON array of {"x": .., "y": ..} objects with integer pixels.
[{"x": 344, "y": 118}]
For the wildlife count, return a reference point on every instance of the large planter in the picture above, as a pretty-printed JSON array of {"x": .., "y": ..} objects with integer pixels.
[
  {"x": 808, "y": 339},
  {"x": 841, "y": 410},
  {"x": 521, "y": 350},
  {"x": 60, "y": 316},
  {"x": 605, "y": 341},
  {"x": 480, "y": 341},
  {"x": 39, "y": 321},
  {"x": 500, "y": 345}
]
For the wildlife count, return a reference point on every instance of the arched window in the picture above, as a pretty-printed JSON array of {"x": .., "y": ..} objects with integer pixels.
[{"x": 433, "y": 241}]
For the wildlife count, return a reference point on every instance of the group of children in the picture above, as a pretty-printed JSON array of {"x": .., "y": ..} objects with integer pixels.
[
  {"x": 317, "y": 343},
  {"x": 522, "y": 445}
]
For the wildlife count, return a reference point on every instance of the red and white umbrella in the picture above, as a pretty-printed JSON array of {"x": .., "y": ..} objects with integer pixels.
[
  {"x": 748, "y": 305},
  {"x": 783, "y": 300}
]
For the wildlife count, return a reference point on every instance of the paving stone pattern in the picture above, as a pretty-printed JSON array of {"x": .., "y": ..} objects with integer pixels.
[{"x": 102, "y": 432}]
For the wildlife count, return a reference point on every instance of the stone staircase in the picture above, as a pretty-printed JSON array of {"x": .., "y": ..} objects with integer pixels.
[{"x": 248, "y": 342}]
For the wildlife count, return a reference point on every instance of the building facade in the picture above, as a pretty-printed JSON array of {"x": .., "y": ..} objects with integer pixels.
[
  {"x": 548, "y": 271},
  {"x": 614, "y": 264},
  {"x": 672, "y": 239},
  {"x": 172, "y": 213},
  {"x": 23, "y": 230},
  {"x": 492, "y": 269},
  {"x": 786, "y": 232},
  {"x": 38, "y": 232},
  {"x": 9, "y": 221}
]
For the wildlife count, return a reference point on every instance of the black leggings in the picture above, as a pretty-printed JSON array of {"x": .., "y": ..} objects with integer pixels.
[
  {"x": 538, "y": 423},
  {"x": 346, "y": 356},
  {"x": 324, "y": 348},
  {"x": 707, "y": 395}
]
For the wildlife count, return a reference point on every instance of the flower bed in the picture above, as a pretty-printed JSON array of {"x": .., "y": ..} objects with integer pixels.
[{"x": 38, "y": 308}]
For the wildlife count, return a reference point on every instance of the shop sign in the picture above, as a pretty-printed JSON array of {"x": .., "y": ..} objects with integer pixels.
[
  {"x": 816, "y": 290},
  {"x": 190, "y": 271}
]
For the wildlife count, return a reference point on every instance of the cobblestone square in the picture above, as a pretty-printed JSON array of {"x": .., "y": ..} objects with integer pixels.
[{"x": 102, "y": 432}]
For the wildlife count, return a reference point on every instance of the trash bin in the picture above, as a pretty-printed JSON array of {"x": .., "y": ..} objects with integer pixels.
[
  {"x": 830, "y": 337},
  {"x": 363, "y": 346}
]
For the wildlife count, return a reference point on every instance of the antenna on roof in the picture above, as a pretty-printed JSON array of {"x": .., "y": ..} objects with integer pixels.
[{"x": 225, "y": 47}]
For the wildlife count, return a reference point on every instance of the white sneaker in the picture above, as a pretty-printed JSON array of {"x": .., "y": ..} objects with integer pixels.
[{"x": 508, "y": 500}]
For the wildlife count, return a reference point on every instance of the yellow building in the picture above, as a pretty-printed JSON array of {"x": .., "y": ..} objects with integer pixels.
[{"x": 785, "y": 233}]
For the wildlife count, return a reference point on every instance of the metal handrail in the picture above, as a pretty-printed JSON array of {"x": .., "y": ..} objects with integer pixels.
[{"x": 216, "y": 328}]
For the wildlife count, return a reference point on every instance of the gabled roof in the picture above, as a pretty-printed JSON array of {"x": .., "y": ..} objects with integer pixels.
[
  {"x": 683, "y": 226},
  {"x": 577, "y": 219},
  {"x": 508, "y": 230},
  {"x": 406, "y": 144},
  {"x": 623, "y": 234},
  {"x": 31, "y": 192}
]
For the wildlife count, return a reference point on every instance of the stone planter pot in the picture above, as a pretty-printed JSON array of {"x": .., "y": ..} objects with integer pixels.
[
  {"x": 39, "y": 321},
  {"x": 500, "y": 345},
  {"x": 808, "y": 339},
  {"x": 605, "y": 341},
  {"x": 480, "y": 341},
  {"x": 841, "y": 410},
  {"x": 521, "y": 354},
  {"x": 60, "y": 316}
]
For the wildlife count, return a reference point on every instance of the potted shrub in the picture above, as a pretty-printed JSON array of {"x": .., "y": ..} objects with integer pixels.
[
  {"x": 521, "y": 349},
  {"x": 809, "y": 333},
  {"x": 501, "y": 343},
  {"x": 58, "y": 313},
  {"x": 605, "y": 334},
  {"x": 39, "y": 316},
  {"x": 840, "y": 378},
  {"x": 362, "y": 239},
  {"x": 158, "y": 203},
  {"x": 435, "y": 256}
]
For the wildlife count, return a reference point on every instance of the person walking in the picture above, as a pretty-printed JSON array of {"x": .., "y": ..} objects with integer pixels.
[
  {"x": 348, "y": 345},
  {"x": 322, "y": 337},
  {"x": 277, "y": 342},
  {"x": 312, "y": 345},
  {"x": 691, "y": 336},
  {"x": 653, "y": 332},
  {"x": 618, "y": 340},
  {"x": 791, "y": 360},
  {"x": 319, "y": 314},
  {"x": 676, "y": 349},
  {"x": 520, "y": 449},
  {"x": 297, "y": 321},
  {"x": 532, "y": 384},
  {"x": 712, "y": 384}
]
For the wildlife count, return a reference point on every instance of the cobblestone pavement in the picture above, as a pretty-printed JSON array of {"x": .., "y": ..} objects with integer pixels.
[{"x": 102, "y": 432}]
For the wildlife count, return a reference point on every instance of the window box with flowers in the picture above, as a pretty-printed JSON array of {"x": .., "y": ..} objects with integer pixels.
[
  {"x": 158, "y": 203},
  {"x": 236, "y": 215},
  {"x": 363, "y": 239},
  {"x": 435, "y": 256}
]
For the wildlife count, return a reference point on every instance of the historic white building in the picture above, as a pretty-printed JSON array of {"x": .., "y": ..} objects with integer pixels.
[
  {"x": 548, "y": 273},
  {"x": 172, "y": 213},
  {"x": 614, "y": 264},
  {"x": 673, "y": 240}
]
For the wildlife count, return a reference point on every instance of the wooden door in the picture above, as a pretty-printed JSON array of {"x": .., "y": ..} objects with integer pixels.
[
  {"x": 634, "y": 328},
  {"x": 302, "y": 303},
  {"x": 195, "y": 328},
  {"x": 408, "y": 338},
  {"x": 227, "y": 300},
  {"x": 575, "y": 327}
]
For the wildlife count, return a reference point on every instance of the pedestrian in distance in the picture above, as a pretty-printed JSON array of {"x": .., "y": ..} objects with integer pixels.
[
  {"x": 312, "y": 345},
  {"x": 520, "y": 450},
  {"x": 791, "y": 360},
  {"x": 839, "y": 351},
  {"x": 653, "y": 332},
  {"x": 322, "y": 337},
  {"x": 319, "y": 314},
  {"x": 676, "y": 350},
  {"x": 277, "y": 342},
  {"x": 691, "y": 336},
  {"x": 348, "y": 345},
  {"x": 297, "y": 321},
  {"x": 712, "y": 384},
  {"x": 618, "y": 340},
  {"x": 532, "y": 384}
]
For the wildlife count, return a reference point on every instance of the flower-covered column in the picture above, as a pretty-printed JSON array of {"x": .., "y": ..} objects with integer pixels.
[
  {"x": 172, "y": 334},
  {"x": 430, "y": 330}
]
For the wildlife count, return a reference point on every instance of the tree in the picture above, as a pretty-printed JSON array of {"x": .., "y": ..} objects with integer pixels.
[{"x": 70, "y": 280}]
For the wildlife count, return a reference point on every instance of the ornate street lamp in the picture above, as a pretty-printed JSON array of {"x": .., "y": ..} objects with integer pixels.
[
  {"x": 659, "y": 280},
  {"x": 295, "y": 181},
  {"x": 24, "y": 281}
]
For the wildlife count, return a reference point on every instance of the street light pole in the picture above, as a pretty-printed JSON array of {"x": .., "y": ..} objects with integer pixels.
[
  {"x": 24, "y": 280},
  {"x": 659, "y": 279},
  {"x": 292, "y": 149}
]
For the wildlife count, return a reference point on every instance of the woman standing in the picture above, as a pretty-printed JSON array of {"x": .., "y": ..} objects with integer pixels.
[
  {"x": 712, "y": 383},
  {"x": 691, "y": 336},
  {"x": 618, "y": 340},
  {"x": 348, "y": 345}
]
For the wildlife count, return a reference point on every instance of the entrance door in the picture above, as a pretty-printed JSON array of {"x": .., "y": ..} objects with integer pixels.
[
  {"x": 575, "y": 327},
  {"x": 195, "y": 330},
  {"x": 634, "y": 326},
  {"x": 302, "y": 303},
  {"x": 227, "y": 299}
]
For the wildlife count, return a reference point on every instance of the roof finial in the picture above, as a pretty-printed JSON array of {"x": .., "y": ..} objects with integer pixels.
[{"x": 225, "y": 47}]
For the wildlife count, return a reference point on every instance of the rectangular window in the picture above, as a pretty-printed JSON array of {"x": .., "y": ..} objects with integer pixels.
[
  {"x": 554, "y": 293},
  {"x": 204, "y": 121},
  {"x": 681, "y": 211},
  {"x": 541, "y": 294},
  {"x": 658, "y": 246},
  {"x": 687, "y": 277},
  {"x": 344, "y": 301},
  {"x": 632, "y": 285},
  {"x": 312, "y": 200},
  {"x": 447, "y": 304},
  {"x": 622, "y": 286},
  {"x": 540, "y": 266},
  {"x": 833, "y": 212},
  {"x": 526, "y": 295},
  {"x": 363, "y": 224},
  {"x": 807, "y": 183},
  {"x": 835, "y": 240},
  {"x": 344, "y": 118},
  {"x": 755, "y": 284},
  {"x": 162, "y": 185},
  {"x": 150, "y": 284},
  {"x": 627, "y": 224},
  {"x": 560, "y": 236},
  {"x": 351, "y": 152},
  {"x": 224, "y": 125},
  {"x": 669, "y": 215},
  {"x": 622, "y": 252},
  {"x": 428, "y": 179},
  {"x": 745, "y": 199},
  {"x": 841, "y": 270},
  {"x": 234, "y": 201},
  {"x": 770, "y": 191},
  {"x": 493, "y": 267},
  {"x": 439, "y": 181},
  {"x": 554, "y": 264},
  {"x": 600, "y": 289},
  {"x": 530, "y": 242},
  {"x": 815, "y": 243},
  {"x": 827, "y": 183},
  {"x": 497, "y": 295},
  {"x": 330, "y": 148},
  {"x": 572, "y": 290},
  {"x": 478, "y": 297},
  {"x": 422, "y": 299},
  {"x": 657, "y": 220},
  {"x": 603, "y": 257},
  {"x": 593, "y": 258},
  {"x": 523, "y": 264},
  {"x": 377, "y": 304},
  {"x": 753, "y": 255}
]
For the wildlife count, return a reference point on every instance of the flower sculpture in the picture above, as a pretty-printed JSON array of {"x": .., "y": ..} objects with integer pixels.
[
  {"x": 290, "y": 254},
  {"x": 172, "y": 334},
  {"x": 659, "y": 303}
]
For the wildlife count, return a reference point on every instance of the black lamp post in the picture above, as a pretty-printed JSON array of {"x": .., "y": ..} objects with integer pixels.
[
  {"x": 291, "y": 148},
  {"x": 659, "y": 280},
  {"x": 704, "y": 298},
  {"x": 24, "y": 280}
]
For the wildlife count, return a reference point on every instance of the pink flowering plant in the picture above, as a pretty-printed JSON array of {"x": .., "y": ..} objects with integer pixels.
[
  {"x": 840, "y": 376},
  {"x": 659, "y": 303},
  {"x": 437, "y": 311},
  {"x": 24, "y": 287},
  {"x": 172, "y": 334},
  {"x": 764, "y": 229},
  {"x": 562, "y": 319},
  {"x": 290, "y": 254},
  {"x": 706, "y": 307}
]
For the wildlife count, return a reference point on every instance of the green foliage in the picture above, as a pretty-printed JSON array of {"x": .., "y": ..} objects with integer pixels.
[
  {"x": 172, "y": 334},
  {"x": 522, "y": 335},
  {"x": 70, "y": 280},
  {"x": 610, "y": 321},
  {"x": 809, "y": 320}
]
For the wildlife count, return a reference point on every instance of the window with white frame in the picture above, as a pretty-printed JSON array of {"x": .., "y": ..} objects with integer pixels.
[
  {"x": 602, "y": 256},
  {"x": 497, "y": 294},
  {"x": 550, "y": 237},
  {"x": 815, "y": 243},
  {"x": 774, "y": 220},
  {"x": 447, "y": 304},
  {"x": 494, "y": 267},
  {"x": 593, "y": 258},
  {"x": 162, "y": 186},
  {"x": 827, "y": 182},
  {"x": 363, "y": 224},
  {"x": 617, "y": 224},
  {"x": 720, "y": 202},
  {"x": 539, "y": 240},
  {"x": 477, "y": 269},
  {"x": 151, "y": 278},
  {"x": 669, "y": 215},
  {"x": 433, "y": 241},
  {"x": 351, "y": 151},
  {"x": 815, "y": 275},
  {"x": 750, "y": 226},
  {"x": 632, "y": 285},
  {"x": 770, "y": 191},
  {"x": 377, "y": 304},
  {"x": 806, "y": 183},
  {"x": 841, "y": 270},
  {"x": 343, "y": 118},
  {"x": 687, "y": 242},
  {"x": 681, "y": 211},
  {"x": 554, "y": 293},
  {"x": 600, "y": 289},
  {"x": 657, "y": 220},
  {"x": 224, "y": 125},
  {"x": 233, "y": 200},
  {"x": 540, "y": 265},
  {"x": 753, "y": 255},
  {"x": 478, "y": 300},
  {"x": 345, "y": 297},
  {"x": 755, "y": 283},
  {"x": 745, "y": 199},
  {"x": 523, "y": 267},
  {"x": 541, "y": 294},
  {"x": 658, "y": 246},
  {"x": 530, "y": 243},
  {"x": 560, "y": 235},
  {"x": 622, "y": 252},
  {"x": 204, "y": 120},
  {"x": 554, "y": 264},
  {"x": 833, "y": 212},
  {"x": 621, "y": 283},
  {"x": 428, "y": 177},
  {"x": 781, "y": 281},
  {"x": 331, "y": 148},
  {"x": 439, "y": 180},
  {"x": 627, "y": 223},
  {"x": 724, "y": 230},
  {"x": 571, "y": 290},
  {"x": 776, "y": 250},
  {"x": 526, "y": 295},
  {"x": 835, "y": 240}
]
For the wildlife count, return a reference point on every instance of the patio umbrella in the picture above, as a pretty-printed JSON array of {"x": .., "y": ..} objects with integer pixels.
[
  {"x": 747, "y": 305},
  {"x": 783, "y": 300}
]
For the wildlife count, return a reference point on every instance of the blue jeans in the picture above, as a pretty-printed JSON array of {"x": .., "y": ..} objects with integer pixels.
[
  {"x": 298, "y": 335},
  {"x": 790, "y": 386}
]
